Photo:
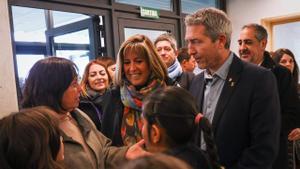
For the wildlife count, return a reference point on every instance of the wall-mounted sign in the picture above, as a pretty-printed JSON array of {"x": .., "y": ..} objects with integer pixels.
[{"x": 149, "y": 13}]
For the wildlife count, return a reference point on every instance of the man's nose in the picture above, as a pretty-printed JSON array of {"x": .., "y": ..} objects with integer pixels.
[{"x": 242, "y": 46}]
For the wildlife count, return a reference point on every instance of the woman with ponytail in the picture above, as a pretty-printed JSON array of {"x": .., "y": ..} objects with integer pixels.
[{"x": 171, "y": 121}]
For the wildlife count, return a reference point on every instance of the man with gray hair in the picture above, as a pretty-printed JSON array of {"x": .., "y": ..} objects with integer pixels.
[
  {"x": 252, "y": 44},
  {"x": 240, "y": 99}
]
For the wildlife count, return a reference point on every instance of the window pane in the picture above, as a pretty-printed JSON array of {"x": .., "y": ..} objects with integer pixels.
[
  {"x": 25, "y": 62},
  {"x": 64, "y": 18},
  {"x": 157, "y": 4},
  {"x": 80, "y": 37},
  {"x": 79, "y": 57},
  {"x": 151, "y": 34},
  {"x": 24, "y": 28},
  {"x": 190, "y": 6}
]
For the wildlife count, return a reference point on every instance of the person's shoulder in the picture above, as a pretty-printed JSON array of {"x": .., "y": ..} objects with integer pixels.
[{"x": 112, "y": 91}]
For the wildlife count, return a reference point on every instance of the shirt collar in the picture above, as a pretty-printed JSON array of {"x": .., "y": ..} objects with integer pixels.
[{"x": 222, "y": 72}]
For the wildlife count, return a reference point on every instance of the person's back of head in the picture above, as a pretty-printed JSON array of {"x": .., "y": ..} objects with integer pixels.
[
  {"x": 186, "y": 61},
  {"x": 157, "y": 161},
  {"x": 174, "y": 111},
  {"x": 30, "y": 139}
]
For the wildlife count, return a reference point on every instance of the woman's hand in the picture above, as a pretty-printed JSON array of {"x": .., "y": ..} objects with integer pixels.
[
  {"x": 136, "y": 151},
  {"x": 294, "y": 134}
]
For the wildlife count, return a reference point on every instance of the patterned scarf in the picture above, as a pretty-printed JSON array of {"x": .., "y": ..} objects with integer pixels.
[
  {"x": 175, "y": 70},
  {"x": 132, "y": 99}
]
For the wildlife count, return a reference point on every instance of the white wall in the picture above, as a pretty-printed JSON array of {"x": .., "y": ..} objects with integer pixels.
[
  {"x": 242, "y": 12},
  {"x": 8, "y": 94}
]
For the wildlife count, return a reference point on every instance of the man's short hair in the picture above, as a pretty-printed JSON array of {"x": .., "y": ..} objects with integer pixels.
[
  {"x": 260, "y": 32},
  {"x": 167, "y": 37},
  {"x": 214, "y": 20}
]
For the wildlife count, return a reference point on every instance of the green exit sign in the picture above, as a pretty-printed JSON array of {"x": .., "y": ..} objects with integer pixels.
[{"x": 149, "y": 13}]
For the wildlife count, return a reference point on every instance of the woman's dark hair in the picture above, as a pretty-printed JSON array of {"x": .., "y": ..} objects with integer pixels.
[
  {"x": 157, "y": 161},
  {"x": 277, "y": 55},
  {"x": 174, "y": 110},
  {"x": 47, "y": 81},
  {"x": 29, "y": 139}
]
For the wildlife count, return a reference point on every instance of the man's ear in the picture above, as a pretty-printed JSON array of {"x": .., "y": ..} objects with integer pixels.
[
  {"x": 155, "y": 134},
  {"x": 264, "y": 42},
  {"x": 222, "y": 40}
]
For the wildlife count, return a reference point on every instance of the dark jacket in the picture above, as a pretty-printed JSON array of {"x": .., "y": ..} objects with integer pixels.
[
  {"x": 192, "y": 155},
  {"x": 246, "y": 122},
  {"x": 112, "y": 107},
  {"x": 289, "y": 103},
  {"x": 92, "y": 107},
  {"x": 184, "y": 80}
]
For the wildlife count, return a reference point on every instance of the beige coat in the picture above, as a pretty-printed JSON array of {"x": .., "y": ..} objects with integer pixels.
[{"x": 102, "y": 153}]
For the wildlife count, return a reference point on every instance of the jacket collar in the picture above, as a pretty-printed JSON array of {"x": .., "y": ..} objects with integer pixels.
[{"x": 230, "y": 84}]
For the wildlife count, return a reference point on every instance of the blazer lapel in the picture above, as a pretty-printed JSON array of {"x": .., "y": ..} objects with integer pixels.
[
  {"x": 200, "y": 90},
  {"x": 229, "y": 86}
]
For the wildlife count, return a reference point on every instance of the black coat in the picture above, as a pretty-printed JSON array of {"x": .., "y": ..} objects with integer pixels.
[
  {"x": 93, "y": 108},
  {"x": 184, "y": 80},
  {"x": 246, "y": 122},
  {"x": 289, "y": 103},
  {"x": 192, "y": 155},
  {"x": 112, "y": 107}
]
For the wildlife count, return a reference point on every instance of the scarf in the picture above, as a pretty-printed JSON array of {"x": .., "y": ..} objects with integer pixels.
[
  {"x": 175, "y": 70},
  {"x": 132, "y": 100},
  {"x": 96, "y": 98}
]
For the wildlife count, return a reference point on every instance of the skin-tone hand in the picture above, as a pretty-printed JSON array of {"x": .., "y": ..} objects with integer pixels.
[
  {"x": 294, "y": 134},
  {"x": 136, "y": 151}
]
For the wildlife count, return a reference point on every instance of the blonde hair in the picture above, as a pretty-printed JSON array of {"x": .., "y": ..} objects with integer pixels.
[
  {"x": 214, "y": 20},
  {"x": 141, "y": 46}
]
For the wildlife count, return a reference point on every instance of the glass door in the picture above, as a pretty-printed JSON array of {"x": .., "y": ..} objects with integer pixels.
[{"x": 79, "y": 41}]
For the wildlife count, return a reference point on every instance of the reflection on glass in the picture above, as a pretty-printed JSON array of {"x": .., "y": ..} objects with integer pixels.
[
  {"x": 190, "y": 6},
  {"x": 79, "y": 57},
  {"x": 287, "y": 36},
  {"x": 64, "y": 18},
  {"x": 151, "y": 34},
  {"x": 157, "y": 4},
  {"x": 29, "y": 24},
  {"x": 80, "y": 37},
  {"x": 25, "y": 62}
]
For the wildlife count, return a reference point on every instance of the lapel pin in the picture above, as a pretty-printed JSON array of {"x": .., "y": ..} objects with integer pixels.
[
  {"x": 232, "y": 84},
  {"x": 230, "y": 79}
]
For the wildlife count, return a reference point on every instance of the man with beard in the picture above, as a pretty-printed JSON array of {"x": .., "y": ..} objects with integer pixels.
[
  {"x": 252, "y": 43},
  {"x": 239, "y": 99}
]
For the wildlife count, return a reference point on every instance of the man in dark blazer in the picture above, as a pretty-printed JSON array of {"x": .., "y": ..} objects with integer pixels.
[
  {"x": 239, "y": 98},
  {"x": 252, "y": 43}
]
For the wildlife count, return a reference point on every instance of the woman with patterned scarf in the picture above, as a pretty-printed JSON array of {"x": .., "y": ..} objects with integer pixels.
[{"x": 139, "y": 72}]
